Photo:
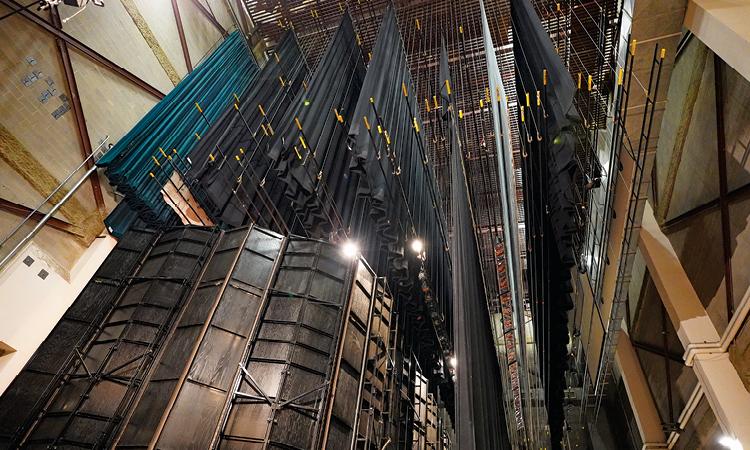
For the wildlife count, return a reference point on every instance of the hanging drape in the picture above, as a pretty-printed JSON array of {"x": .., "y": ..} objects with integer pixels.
[
  {"x": 173, "y": 124},
  {"x": 388, "y": 151},
  {"x": 479, "y": 420},
  {"x": 550, "y": 170}
]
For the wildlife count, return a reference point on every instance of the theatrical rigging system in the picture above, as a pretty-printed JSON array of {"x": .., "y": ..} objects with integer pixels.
[{"x": 331, "y": 141}]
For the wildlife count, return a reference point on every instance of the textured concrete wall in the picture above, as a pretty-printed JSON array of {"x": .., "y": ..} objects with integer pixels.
[
  {"x": 111, "y": 105},
  {"x": 688, "y": 178}
]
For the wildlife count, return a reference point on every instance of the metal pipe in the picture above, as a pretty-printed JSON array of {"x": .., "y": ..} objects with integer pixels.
[
  {"x": 47, "y": 217},
  {"x": 75, "y": 100},
  {"x": 85, "y": 49},
  {"x": 36, "y": 210}
]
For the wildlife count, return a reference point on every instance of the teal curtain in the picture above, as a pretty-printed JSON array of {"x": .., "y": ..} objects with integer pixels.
[{"x": 173, "y": 123}]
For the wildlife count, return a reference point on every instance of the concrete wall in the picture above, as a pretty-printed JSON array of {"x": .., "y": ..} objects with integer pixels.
[
  {"x": 111, "y": 105},
  {"x": 30, "y": 305}
]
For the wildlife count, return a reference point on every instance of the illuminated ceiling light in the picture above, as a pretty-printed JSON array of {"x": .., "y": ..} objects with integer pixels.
[
  {"x": 730, "y": 443},
  {"x": 350, "y": 249},
  {"x": 453, "y": 361},
  {"x": 417, "y": 245}
]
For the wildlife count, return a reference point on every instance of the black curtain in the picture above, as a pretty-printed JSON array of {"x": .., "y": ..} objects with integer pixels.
[{"x": 479, "y": 414}]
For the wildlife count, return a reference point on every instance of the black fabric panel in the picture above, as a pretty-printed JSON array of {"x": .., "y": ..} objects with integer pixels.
[
  {"x": 549, "y": 202},
  {"x": 479, "y": 415}
]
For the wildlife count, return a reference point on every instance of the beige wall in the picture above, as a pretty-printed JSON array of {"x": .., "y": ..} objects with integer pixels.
[{"x": 111, "y": 105}]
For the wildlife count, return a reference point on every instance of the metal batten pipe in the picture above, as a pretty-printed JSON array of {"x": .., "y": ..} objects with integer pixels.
[
  {"x": 55, "y": 191},
  {"x": 47, "y": 217}
]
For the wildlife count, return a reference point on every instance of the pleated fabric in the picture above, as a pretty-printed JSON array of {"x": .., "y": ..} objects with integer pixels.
[
  {"x": 550, "y": 172},
  {"x": 173, "y": 123},
  {"x": 479, "y": 412}
]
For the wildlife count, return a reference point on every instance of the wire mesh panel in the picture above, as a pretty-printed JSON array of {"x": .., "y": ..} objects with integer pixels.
[
  {"x": 182, "y": 402},
  {"x": 282, "y": 388},
  {"x": 27, "y": 393},
  {"x": 96, "y": 390}
]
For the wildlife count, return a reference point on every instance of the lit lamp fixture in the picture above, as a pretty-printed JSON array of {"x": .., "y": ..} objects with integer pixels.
[
  {"x": 350, "y": 249},
  {"x": 453, "y": 361},
  {"x": 417, "y": 245},
  {"x": 730, "y": 443}
]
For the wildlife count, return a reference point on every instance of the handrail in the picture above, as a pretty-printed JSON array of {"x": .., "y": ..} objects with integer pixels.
[
  {"x": 51, "y": 194},
  {"x": 52, "y": 211}
]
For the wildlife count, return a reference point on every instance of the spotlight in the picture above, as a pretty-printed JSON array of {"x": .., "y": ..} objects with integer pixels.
[
  {"x": 350, "y": 249},
  {"x": 417, "y": 245},
  {"x": 453, "y": 361},
  {"x": 730, "y": 443}
]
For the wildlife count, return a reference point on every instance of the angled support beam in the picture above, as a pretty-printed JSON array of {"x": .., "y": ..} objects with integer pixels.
[
  {"x": 242, "y": 11},
  {"x": 726, "y": 235},
  {"x": 75, "y": 98},
  {"x": 657, "y": 351},
  {"x": 181, "y": 32},
  {"x": 85, "y": 49},
  {"x": 211, "y": 18},
  {"x": 23, "y": 211}
]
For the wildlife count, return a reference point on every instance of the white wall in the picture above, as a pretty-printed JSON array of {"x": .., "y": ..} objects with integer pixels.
[{"x": 30, "y": 306}]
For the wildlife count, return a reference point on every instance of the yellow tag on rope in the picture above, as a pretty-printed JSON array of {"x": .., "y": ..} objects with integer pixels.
[
  {"x": 211, "y": 157},
  {"x": 544, "y": 73},
  {"x": 527, "y": 100},
  {"x": 151, "y": 174},
  {"x": 448, "y": 86},
  {"x": 302, "y": 141},
  {"x": 416, "y": 125},
  {"x": 620, "y": 74},
  {"x": 236, "y": 107},
  {"x": 523, "y": 116},
  {"x": 427, "y": 104},
  {"x": 460, "y": 113},
  {"x": 198, "y": 136},
  {"x": 367, "y": 123},
  {"x": 579, "y": 80},
  {"x": 403, "y": 89},
  {"x": 262, "y": 111},
  {"x": 633, "y": 45},
  {"x": 590, "y": 82},
  {"x": 538, "y": 99},
  {"x": 198, "y": 107},
  {"x": 419, "y": 26},
  {"x": 156, "y": 161},
  {"x": 299, "y": 125}
]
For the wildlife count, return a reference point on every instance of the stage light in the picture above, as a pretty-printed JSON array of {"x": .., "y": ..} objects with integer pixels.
[
  {"x": 417, "y": 245},
  {"x": 730, "y": 443},
  {"x": 350, "y": 249},
  {"x": 453, "y": 361}
]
